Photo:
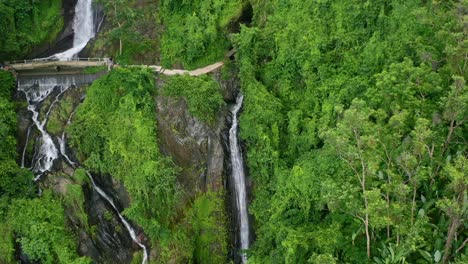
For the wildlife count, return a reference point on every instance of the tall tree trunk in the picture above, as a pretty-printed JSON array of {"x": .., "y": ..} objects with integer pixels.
[
  {"x": 362, "y": 180},
  {"x": 454, "y": 223},
  {"x": 366, "y": 224},
  {"x": 366, "y": 219},
  {"x": 413, "y": 203}
]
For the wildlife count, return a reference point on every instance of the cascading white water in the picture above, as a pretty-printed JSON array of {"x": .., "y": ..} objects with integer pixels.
[
  {"x": 83, "y": 27},
  {"x": 25, "y": 146},
  {"x": 63, "y": 151},
  {"x": 62, "y": 142},
  {"x": 38, "y": 89},
  {"x": 131, "y": 231},
  {"x": 238, "y": 178},
  {"x": 48, "y": 153}
]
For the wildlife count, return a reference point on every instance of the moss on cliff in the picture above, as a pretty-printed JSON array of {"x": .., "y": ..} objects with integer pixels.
[{"x": 25, "y": 25}]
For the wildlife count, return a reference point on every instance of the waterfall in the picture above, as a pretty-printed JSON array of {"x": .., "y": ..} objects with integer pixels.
[
  {"x": 62, "y": 142},
  {"x": 238, "y": 178},
  {"x": 37, "y": 90},
  {"x": 131, "y": 231},
  {"x": 28, "y": 133},
  {"x": 44, "y": 159},
  {"x": 83, "y": 26},
  {"x": 129, "y": 228}
]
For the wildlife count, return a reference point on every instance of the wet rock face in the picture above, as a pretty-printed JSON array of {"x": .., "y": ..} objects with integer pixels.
[
  {"x": 101, "y": 236},
  {"x": 195, "y": 146},
  {"x": 200, "y": 150},
  {"x": 229, "y": 87},
  {"x": 108, "y": 241},
  {"x": 114, "y": 189}
]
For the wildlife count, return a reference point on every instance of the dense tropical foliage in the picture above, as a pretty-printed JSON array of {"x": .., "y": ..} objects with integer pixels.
[
  {"x": 201, "y": 93},
  {"x": 37, "y": 224},
  {"x": 114, "y": 132},
  {"x": 195, "y": 31},
  {"x": 354, "y": 121},
  {"x": 26, "y": 24}
]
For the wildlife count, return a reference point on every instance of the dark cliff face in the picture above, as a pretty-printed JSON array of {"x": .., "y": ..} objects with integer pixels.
[
  {"x": 200, "y": 150},
  {"x": 101, "y": 235},
  {"x": 110, "y": 242},
  {"x": 194, "y": 146}
]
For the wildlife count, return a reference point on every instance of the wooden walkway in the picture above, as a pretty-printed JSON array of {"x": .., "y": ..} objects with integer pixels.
[
  {"x": 197, "y": 72},
  {"x": 44, "y": 64}
]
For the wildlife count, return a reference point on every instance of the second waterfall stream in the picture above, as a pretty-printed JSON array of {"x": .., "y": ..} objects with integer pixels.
[{"x": 238, "y": 179}]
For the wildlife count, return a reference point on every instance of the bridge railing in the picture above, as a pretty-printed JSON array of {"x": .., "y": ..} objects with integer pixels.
[{"x": 42, "y": 60}]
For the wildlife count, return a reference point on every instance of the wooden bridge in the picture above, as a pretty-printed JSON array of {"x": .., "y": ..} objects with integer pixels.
[
  {"x": 52, "y": 64},
  {"x": 46, "y": 63}
]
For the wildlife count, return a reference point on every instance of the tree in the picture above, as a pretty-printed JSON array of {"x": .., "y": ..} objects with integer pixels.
[{"x": 353, "y": 141}]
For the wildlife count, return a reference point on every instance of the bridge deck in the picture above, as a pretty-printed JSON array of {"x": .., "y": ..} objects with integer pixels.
[
  {"x": 50, "y": 64},
  {"x": 197, "y": 72},
  {"x": 85, "y": 63}
]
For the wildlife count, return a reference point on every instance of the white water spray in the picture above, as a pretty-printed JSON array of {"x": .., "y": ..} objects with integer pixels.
[
  {"x": 38, "y": 89},
  {"x": 238, "y": 177},
  {"x": 127, "y": 225},
  {"x": 83, "y": 26},
  {"x": 28, "y": 133},
  {"x": 131, "y": 231}
]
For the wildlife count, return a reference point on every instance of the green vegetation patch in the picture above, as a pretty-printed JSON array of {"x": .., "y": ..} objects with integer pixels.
[
  {"x": 40, "y": 225},
  {"x": 202, "y": 94},
  {"x": 25, "y": 25},
  {"x": 74, "y": 198},
  {"x": 355, "y": 122},
  {"x": 130, "y": 33},
  {"x": 202, "y": 236},
  {"x": 59, "y": 116},
  {"x": 195, "y": 32},
  {"x": 95, "y": 69},
  {"x": 208, "y": 220},
  {"x": 114, "y": 131},
  {"x": 15, "y": 182}
]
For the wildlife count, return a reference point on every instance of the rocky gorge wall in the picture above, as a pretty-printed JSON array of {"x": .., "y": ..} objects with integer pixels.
[
  {"x": 202, "y": 150},
  {"x": 199, "y": 149},
  {"x": 97, "y": 227}
]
